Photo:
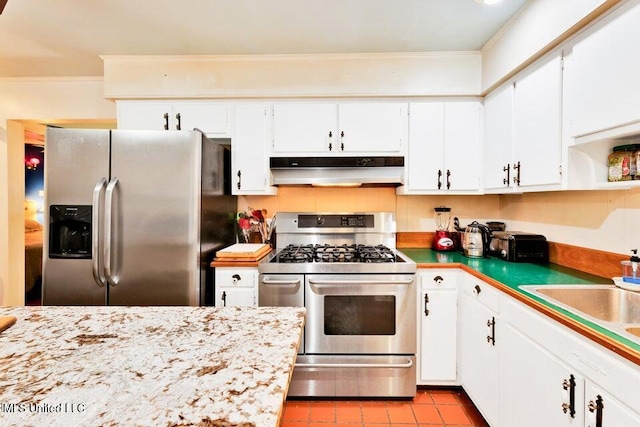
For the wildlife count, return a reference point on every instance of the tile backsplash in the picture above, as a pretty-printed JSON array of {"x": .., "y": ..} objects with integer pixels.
[{"x": 604, "y": 220}]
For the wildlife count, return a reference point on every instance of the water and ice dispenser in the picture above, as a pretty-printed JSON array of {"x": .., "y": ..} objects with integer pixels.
[{"x": 70, "y": 231}]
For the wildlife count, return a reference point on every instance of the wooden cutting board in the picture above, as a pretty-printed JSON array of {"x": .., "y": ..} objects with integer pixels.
[
  {"x": 244, "y": 251},
  {"x": 6, "y": 322}
]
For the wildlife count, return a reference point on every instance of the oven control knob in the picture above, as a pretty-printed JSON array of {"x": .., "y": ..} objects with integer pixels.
[{"x": 319, "y": 220}]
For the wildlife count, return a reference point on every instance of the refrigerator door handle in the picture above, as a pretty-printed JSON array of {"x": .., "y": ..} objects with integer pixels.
[
  {"x": 108, "y": 210},
  {"x": 95, "y": 231}
]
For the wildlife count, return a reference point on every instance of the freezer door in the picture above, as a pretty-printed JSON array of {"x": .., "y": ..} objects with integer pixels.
[
  {"x": 152, "y": 237},
  {"x": 76, "y": 166}
]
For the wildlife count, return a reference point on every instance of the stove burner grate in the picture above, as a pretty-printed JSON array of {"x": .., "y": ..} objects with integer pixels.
[{"x": 327, "y": 253}]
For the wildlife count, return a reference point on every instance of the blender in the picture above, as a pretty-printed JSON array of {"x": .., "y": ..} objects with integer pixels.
[{"x": 442, "y": 240}]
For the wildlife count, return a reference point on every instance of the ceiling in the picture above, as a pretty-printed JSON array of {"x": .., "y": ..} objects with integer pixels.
[{"x": 40, "y": 38}]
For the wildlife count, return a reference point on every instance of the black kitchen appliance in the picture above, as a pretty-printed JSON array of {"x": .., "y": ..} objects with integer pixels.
[{"x": 519, "y": 246}]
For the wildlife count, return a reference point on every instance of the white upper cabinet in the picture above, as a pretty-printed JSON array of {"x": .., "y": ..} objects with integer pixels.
[
  {"x": 372, "y": 127},
  {"x": 304, "y": 127},
  {"x": 301, "y": 128},
  {"x": 523, "y": 131},
  {"x": 444, "y": 152},
  {"x": 498, "y": 140},
  {"x": 250, "y": 150},
  {"x": 144, "y": 115},
  {"x": 212, "y": 118},
  {"x": 538, "y": 126},
  {"x": 605, "y": 84}
]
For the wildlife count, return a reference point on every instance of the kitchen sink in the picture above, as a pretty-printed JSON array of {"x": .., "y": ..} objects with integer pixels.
[{"x": 611, "y": 307}]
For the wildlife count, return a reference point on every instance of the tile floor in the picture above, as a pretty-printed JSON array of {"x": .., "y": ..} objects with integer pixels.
[{"x": 443, "y": 407}]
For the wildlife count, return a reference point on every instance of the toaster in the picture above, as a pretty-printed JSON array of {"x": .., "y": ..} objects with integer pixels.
[{"x": 518, "y": 246}]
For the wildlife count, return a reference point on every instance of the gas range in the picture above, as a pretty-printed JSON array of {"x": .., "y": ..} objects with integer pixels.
[
  {"x": 360, "y": 296},
  {"x": 336, "y": 243}
]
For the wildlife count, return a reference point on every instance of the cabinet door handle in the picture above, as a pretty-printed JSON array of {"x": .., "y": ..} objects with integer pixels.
[
  {"x": 330, "y": 141},
  {"x": 236, "y": 278},
  {"x": 516, "y": 179},
  {"x": 448, "y": 179},
  {"x": 178, "y": 124},
  {"x": 239, "y": 179},
  {"x": 570, "y": 385},
  {"x": 438, "y": 279},
  {"x": 426, "y": 301},
  {"x": 224, "y": 299},
  {"x": 491, "y": 338},
  {"x": 439, "y": 179},
  {"x": 341, "y": 141},
  {"x": 506, "y": 180},
  {"x": 166, "y": 121},
  {"x": 477, "y": 289},
  {"x": 597, "y": 407}
]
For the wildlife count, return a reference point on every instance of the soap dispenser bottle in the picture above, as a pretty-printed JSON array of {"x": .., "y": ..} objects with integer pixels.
[{"x": 630, "y": 271}]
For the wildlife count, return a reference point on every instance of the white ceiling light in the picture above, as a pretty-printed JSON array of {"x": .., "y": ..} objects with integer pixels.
[{"x": 488, "y": 1}]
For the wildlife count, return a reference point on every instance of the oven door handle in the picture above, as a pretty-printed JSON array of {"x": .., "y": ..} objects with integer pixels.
[
  {"x": 407, "y": 365},
  {"x": 281, "y": 283},
  {"x": 360, "y": 282}
]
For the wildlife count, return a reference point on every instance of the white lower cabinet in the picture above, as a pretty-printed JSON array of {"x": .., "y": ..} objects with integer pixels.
[
  {"x": 236, "y": 287},
  {"x": 480, "y": 340},
  {"x": 603, "y": 410},
  {"x": 520, "y": 367},
  {"x": 437, "y": 324},
  {"x": 531, "y": 377},
  {"x": 542, "y": 361}
]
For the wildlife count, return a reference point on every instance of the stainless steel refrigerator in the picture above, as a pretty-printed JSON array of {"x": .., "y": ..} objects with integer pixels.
[{"x": 133, "y": 217}]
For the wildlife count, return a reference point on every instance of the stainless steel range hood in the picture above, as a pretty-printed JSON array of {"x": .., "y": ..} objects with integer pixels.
[{"x": 338, "y": 171}]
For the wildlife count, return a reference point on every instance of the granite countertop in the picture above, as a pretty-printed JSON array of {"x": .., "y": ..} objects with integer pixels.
[
  {"x": 147, "y": 366},
  {"x": 512, "y": 275}
]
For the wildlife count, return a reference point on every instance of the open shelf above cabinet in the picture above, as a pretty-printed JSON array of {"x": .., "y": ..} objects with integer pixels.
[{"x": 589, "y": 164}]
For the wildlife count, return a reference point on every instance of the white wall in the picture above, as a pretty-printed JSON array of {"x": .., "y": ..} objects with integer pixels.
[{"x": 33, "y": 99}]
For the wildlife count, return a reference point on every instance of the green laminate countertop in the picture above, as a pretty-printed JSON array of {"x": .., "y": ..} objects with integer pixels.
[{"x": 513, "y": 275}]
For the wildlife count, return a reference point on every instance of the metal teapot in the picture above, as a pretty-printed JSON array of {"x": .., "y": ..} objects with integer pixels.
[{"x": 476, "y": 239}]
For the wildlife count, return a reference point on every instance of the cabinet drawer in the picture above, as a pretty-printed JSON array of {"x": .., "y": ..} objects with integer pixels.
[
  {"x": 438, "y": 279},
  {"x": 482, "y": 292},
  {"x": 236, "y": 277}
]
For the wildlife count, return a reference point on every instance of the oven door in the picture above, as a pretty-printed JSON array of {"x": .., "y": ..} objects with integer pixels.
[{"x": 360, "y": 314}]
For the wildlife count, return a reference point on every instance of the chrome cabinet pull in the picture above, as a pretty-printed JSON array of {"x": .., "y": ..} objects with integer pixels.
[
  {"x": 439, "y": 179},
  {"x": 448, "y": 179},
  {"x": 239, "y": 179}
]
